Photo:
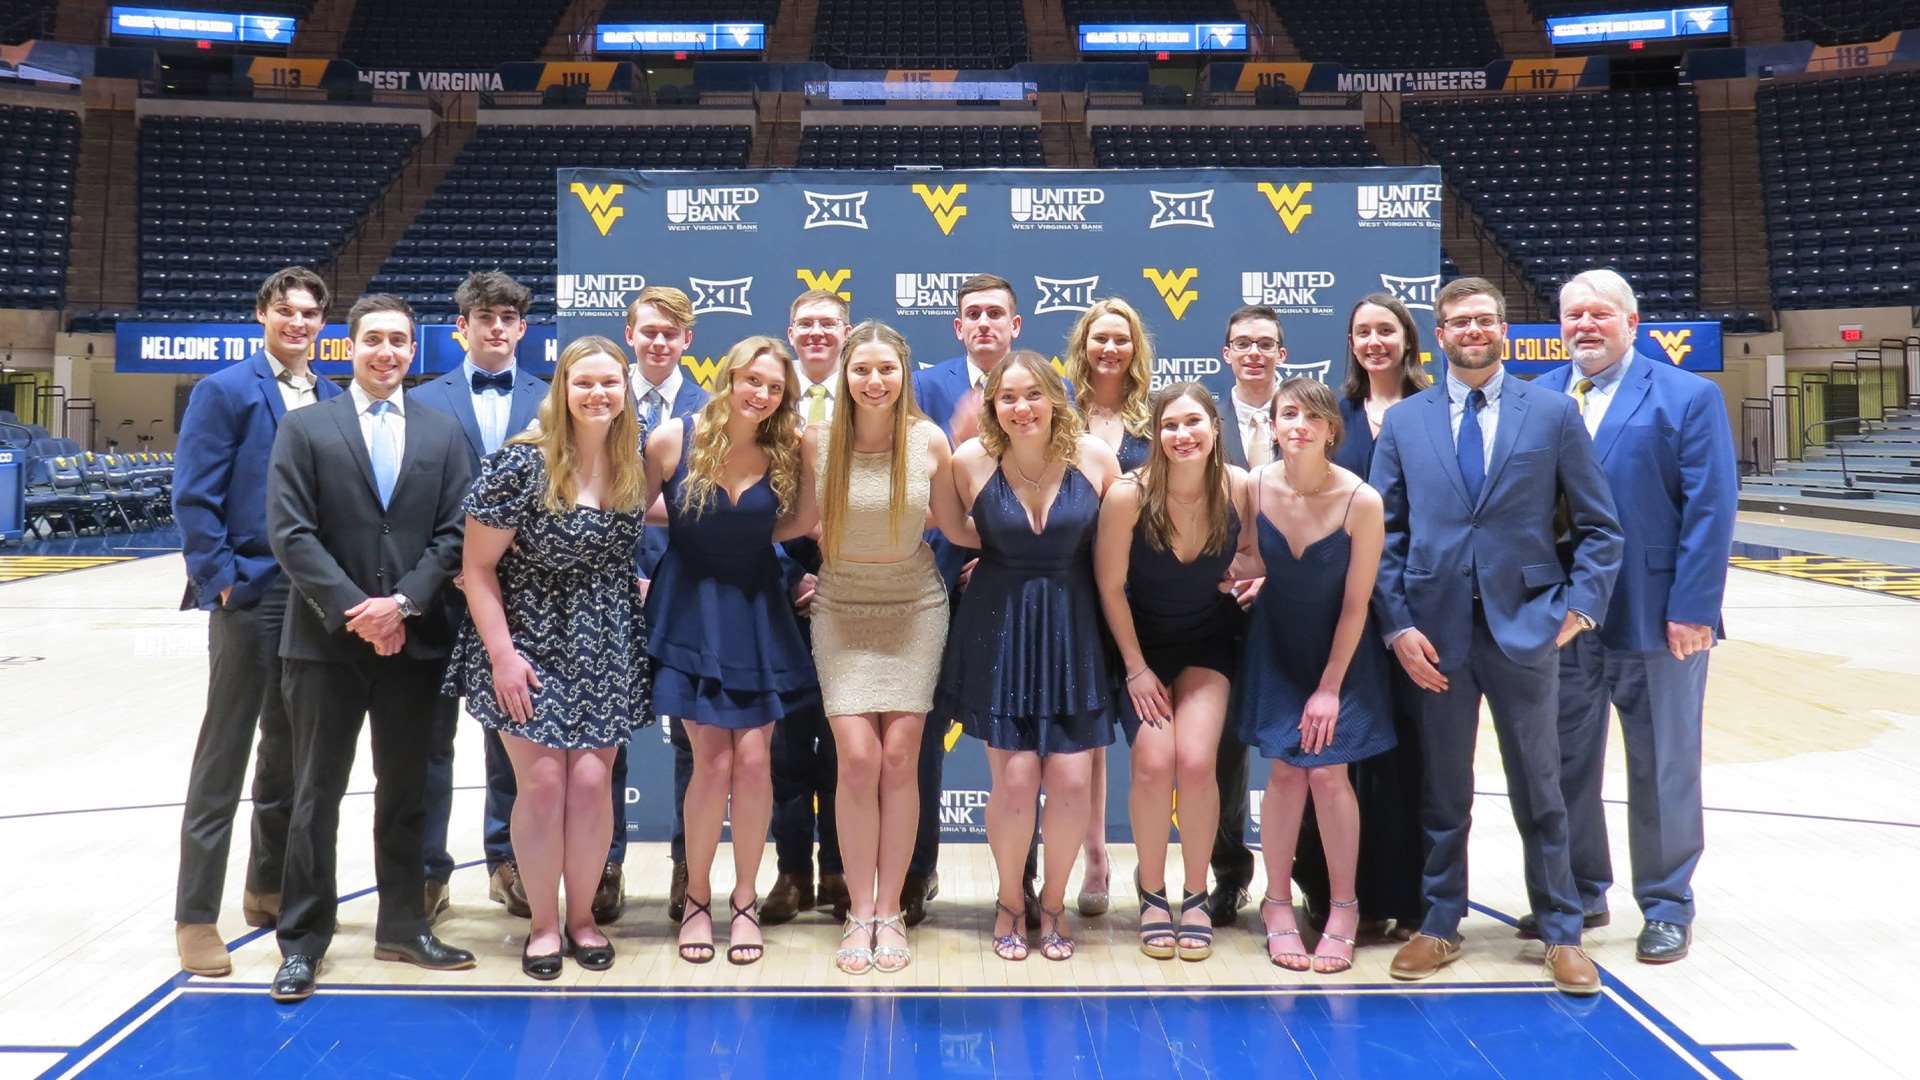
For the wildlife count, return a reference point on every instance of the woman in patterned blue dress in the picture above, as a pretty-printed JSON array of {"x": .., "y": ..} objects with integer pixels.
[
  {"x": 728, "y": 655},
  {"x": 552, "y": 656}
]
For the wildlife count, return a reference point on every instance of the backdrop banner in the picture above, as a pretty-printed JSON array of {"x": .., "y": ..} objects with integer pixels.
[{"x": 1184, "y": 246}]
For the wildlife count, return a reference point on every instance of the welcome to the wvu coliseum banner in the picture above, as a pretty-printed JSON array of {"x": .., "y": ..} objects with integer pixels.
[{"x": 1185, "y": 247}]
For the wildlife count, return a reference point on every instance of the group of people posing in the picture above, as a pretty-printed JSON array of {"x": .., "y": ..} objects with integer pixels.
[{"x": 813, "y": 569}]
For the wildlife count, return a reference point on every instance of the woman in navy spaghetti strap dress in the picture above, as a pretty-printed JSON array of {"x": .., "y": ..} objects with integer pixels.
[
  {"x": 1168, "y": 535},
  {"x": 727, "y": 652},
  {"x": 1314, "y": 694},
  {"x": 1025, "y": 669}
]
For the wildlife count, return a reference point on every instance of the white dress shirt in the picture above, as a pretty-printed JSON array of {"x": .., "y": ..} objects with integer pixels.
[
  {"x": 296, "y": 392},
  {"x": 1489, "y": 413},
  {"x": 492, "y": 410},
  {"x": 1605, "y": 383},
  {"x": 804, "y": 403},
  {"x": 667, "y": 390},
  {"x": 396, "y": 420}
]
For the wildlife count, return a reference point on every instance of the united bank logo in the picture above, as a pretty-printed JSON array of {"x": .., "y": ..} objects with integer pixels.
[
  {"x": 577, "y": 295},
  {"x": 944, "y": 204},
  {"x": 1398, "y": 206},
  {"x": 1064, "y": 294},
  {"x": 833, "y": 281},
  {"x": 1061, "y": 209},
  {"x": 600, "y": 203},
  {"x": 1171, "y": 208},
  {"x": 1415, "y": 292},
  {"x": 928, "y": 294},
  {"x": 721, "y": 297},
  {"x": 1173, "y": 369},
  {"x": 825, "y": 211},
  {"x": 1288, "y": 201},
  {"x": 711, "y": 209},
  {"x": 1675, "y": 343},
  {"x": 963, "y": 812},
  {"x": 1172, "y": 287},
  {"x": 1289, "y": 292}
]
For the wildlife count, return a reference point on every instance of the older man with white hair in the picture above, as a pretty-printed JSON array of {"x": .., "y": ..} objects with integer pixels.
[{"x": 1662, "y": 438}]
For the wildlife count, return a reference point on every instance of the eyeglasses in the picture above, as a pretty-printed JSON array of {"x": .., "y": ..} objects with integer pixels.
[
  {"x": 1247, "y": 345},
  {"x": 806, "y": 325},
  {"x": 1464, "y": 322}
]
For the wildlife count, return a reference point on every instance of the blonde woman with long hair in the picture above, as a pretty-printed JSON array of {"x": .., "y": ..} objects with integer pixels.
[
  {"x": 879, "y": 624},
  {"x": 728, "y": 656},
  {"x": 552, "y": 654}
]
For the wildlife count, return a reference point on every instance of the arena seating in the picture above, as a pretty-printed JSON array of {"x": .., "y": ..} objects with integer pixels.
[
  {"x": 1840, "y": 166},
  {"x": 1372, "y": 34},
  {"x": 298, "y": 9},
  {"x": 24, "y": 20},
  {"x": 461, "y": 35},
  {"x": 38, "y": 152},
  {"x": 915, "y": 34},
  {"x": 1150, "y": 11},
  {"x": 1571, "y": 181},
  {"x": 691, "y": 11},
  {"x": 495, "y": 210},
  {"x": 1133, "y": 147},
  {"x": 1553, "y": 9},
  {"x": 882, "y": 146},
  {"x": 1841, "y": 22},
  {"x": 223, "y": 203}
]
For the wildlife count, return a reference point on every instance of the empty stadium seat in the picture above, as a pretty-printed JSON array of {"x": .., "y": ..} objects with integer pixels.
[
  {"x": 1841, "y": 22},
  {"x": 1131, "y": 147},
  {"x": 24, "y": 20},
  {"x": 39, "y": 149},
  {"x": 1150, "y": 11},
  {"x": 914, "y": 34},
  {"x": 1372, "y": 34},
  {"x": 882, "y": 146},
  {"x": 460, "y": 35}
]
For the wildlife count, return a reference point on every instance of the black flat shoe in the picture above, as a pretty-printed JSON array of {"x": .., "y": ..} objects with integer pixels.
[
  {"x": 1662, "y": 942},
  {"x": 591, "y": 957},
  {"x": 295, "y": 979},
  {"x": 424, "y": 950},
  {"x": 545, "y": 968}
]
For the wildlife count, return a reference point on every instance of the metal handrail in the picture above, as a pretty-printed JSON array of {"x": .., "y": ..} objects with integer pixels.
[{"x": 1846, "y": 478}]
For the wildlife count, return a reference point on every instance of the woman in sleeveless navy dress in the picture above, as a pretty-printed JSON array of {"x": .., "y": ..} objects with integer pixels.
[
  {"x": 727, "y": 652},
  {"x": 1025, "y": 669},
  {"x": 1110, "y": 364},
  {"x": 1168, "y": 534},
  {"x": 1314, "y": 690}
]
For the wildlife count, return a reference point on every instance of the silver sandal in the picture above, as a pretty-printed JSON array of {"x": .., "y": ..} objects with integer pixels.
[
  {"x": 883, "y": 955},
  {"x": 847, "y": 956}
]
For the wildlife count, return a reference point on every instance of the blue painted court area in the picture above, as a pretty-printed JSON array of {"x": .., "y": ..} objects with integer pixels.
[{"x": 1515, "y": 1031}]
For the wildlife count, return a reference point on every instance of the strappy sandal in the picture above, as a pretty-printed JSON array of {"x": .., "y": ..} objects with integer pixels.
[
  {"x": 1337, "y": 964},
  {"x": 855, "y": 959},
  {"x": 697, "y": 952},
  {"x": 1156, "y": 938},
  {"x": 737, "y": 954},
  {"x": 1281, "y": 959},
  {"x": 1055, "y": 945},
  {"x": 1194, "y": 943},
  {"x": 889, "y": 959},
  {"x": 1012, "y": 945}
]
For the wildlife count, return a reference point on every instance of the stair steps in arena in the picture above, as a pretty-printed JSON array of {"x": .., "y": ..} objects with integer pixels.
[
  {"x": 1520, "y": 33},
  {"x": 387, "y": 221},
  {"x": 790, "y": 38},
  {"x": 103, "y": 268},
  {"x": 572, "y": 37},
  {"x": 324, "y": 29}
]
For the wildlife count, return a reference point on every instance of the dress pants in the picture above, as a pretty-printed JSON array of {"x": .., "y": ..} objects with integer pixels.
[
  {"x": 502, "y": 788},
  {"x": 326, "y": 703},
  {"x": 439, "y": 793},
  {"x": 1661, "y": 702},
  {"x": 1522, "y": 699},
  {"x": 933, "y": 767},
  {"x": 805, "y": 768},
  {"x": 1232, "y": 860},
  {"x": 682, "y": 776},
  {"x": 243, "y": 693}
]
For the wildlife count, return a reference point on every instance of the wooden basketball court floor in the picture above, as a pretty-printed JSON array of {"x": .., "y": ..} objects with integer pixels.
[{"x": 1803, "y": 962}]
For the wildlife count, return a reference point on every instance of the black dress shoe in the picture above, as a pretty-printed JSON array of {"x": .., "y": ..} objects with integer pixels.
[
  {"x": 424, "y": 951},
  {"x": 1529, "y": 928},
  {"x": 591, "y": 957},
  {"x": 1226, "y": 900},
  {"x": 294, "y": 981},
  {"x": 1662, "y": 942},
  {"x": 914, "y": 894},
  {"x": 545, "y": 968},
  {"x": 1032, "y": 905},
  {"x": 610, "y": 899},
  {"x": 677, "y": 893}
]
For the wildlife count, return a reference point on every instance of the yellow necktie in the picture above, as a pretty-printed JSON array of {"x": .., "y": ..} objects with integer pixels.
[
  {"x": 816, "y": 403},
  {"x": 1580, "y": 394}
]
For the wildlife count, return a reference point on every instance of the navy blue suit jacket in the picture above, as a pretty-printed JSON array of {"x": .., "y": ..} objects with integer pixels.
[
  {"x": 220, "y": 482},
  {"x": 1666, "y": 448},
  {"x": 452, "y": 394},
  {"x": 653, "y": 539},
  {"x": 1439, "y": 545}
]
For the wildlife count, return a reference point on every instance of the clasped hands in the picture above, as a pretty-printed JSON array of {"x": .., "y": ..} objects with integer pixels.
[{"x": 378, "y": 622}]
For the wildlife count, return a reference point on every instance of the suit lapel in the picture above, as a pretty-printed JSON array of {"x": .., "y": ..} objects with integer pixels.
[
  {"x": 1513, "y": 413},
  {"x": 270, "y": 388},
  {"x": 348, "y": 421},
  {"x": 1626, "y": 398},
  {"x": 413, "y": 445},
  {"x": 1439, "y": 424},
  {"x": 460, "y": 399},
  {"x": 526, "y": 404},
  {"x": 1230, "y": 444},
  {"x": 688, "y": 398}
]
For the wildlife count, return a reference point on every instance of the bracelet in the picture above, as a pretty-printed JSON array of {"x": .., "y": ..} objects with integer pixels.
[{"x": 1139, "y": 673}]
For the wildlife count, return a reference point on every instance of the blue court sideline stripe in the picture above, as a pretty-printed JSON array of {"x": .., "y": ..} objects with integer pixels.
[
  {"x": 1721, "y": 1048},
  {"x": 35, "y": 1049}
]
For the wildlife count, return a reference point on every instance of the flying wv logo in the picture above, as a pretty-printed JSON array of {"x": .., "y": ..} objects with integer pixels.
[
  {"x": 1172, "y": 287},
  {"x": 1674, "y": 343},
  {"x": 1286, "y": 201},
  {"x": 944, "y": 204},
  {"x": 833, "y": 281},
  {"x": 599, "y": 203},
  {"x": 703, "y": 369}
]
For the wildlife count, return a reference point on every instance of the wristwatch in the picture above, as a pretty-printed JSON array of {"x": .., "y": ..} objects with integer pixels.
[
  {"x": 1586, "y": 622},
  {"x": 409, "y": 609}
]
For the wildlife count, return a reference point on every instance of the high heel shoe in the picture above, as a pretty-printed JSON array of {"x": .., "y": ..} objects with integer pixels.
[
  {"x": 1194, "y": 943},
  {"x": 1292, "y": 961},
  {"x": 1334, "y": 965},
  {"x": 737, "y": 955},
  {"x": 1156, "y": 938},
  {"x": 697, "y": 952}
]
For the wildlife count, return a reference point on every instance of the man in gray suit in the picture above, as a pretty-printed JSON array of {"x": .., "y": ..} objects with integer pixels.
[
  {"x": 1475, "y": 602},
  {"x": 364, "y": 512}
]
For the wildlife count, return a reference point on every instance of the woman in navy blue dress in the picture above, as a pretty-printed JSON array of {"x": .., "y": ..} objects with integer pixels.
[
  {"x": 1313, "y": 696},
  {"x": 1168, "y": 534},
  {"x": 1110, "y": 363},
  {"x": 1025, "y": 669},
  {"x": 728, "y": 656}
]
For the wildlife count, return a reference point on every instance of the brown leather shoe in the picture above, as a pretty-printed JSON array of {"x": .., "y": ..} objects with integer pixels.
[
  {"x": 437, "y": 903},
  {"x": 261, "y": 910},
  {"x": 833, "y": 894},
  {"x": 201, "y": 950},
  {"x": 914, "y": 893},
  {"x": 1571, "y": 970},
  {"x": 504, "y": 887},
  {"x": 1423, "y": 957},
  {"x": 791, "y": 895},
  {"x": 610, "y": 899},
  {"x": 677, "y": 894}
]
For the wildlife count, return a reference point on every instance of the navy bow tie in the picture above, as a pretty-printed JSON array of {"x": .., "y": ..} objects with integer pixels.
[{"x": 501, "y": 381}]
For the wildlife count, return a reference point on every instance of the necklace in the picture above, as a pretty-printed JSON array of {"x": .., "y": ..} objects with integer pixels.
[
  {"x": 1325, "y": 480},
  {"x": 1023, "y": 477}
]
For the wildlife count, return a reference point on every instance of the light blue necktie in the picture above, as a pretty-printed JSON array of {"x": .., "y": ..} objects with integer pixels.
[
  {"x": 385, "y": 455},
  {"x": 654, "y": 403}
]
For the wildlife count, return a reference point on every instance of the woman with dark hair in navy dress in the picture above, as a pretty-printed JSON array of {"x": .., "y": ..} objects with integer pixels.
[
  {"x": 1025, "y": 669},
  {"x": 1168, "y": 534},
  {"x": 1313, "y": 694},
  {"x": 728, "y": 656}
]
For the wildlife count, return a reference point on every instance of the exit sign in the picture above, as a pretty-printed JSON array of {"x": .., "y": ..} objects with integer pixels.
[{"x": 1852, "y": 333}]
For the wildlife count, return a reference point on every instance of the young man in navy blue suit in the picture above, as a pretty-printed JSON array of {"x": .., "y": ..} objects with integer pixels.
[
  {"x": 220, "y": 503},
  {"x": 1662, "y": 438},
  {"x": 494, "y": 400},
  {"x": 1476, "y": 602}
]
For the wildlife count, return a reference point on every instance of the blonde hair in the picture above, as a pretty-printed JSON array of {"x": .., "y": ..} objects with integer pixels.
[
  {"x": 1155, "y": 516},
  {"x": 839, "y": 467},
  {"x": 1138, "y": 378},
  {"x": 778, "y": 435},
  {"x": 627, "y": 488},
  {"x": 668, "y": 301},
  {"x": 1063, "y": 444}
]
